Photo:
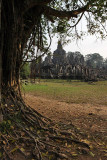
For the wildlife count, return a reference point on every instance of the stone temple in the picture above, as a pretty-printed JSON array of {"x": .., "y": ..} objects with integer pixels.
[
  {"x": 63, "y": 65},
  {"x": 59, "y": 55}
]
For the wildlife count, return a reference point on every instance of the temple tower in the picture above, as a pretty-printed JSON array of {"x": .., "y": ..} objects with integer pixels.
[{"x": 59, "y": 55}]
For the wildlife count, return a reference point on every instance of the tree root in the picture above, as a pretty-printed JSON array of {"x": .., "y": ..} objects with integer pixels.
[{"x": 26, "y": 131}]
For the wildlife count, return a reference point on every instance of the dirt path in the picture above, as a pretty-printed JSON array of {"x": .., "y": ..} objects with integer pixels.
[
  {"x": 94, "y": 115},
  {"x": 91, "y": 119}
]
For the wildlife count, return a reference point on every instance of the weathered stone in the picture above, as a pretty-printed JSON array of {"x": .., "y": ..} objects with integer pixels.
[{"x": 64, "y": 65}]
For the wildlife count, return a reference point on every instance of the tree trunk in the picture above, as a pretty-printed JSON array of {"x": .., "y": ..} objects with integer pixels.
[
  {"x": 1, "y": 115},
  {"x": 23, "y": 125},
  {"x": 11, "y": 52}
]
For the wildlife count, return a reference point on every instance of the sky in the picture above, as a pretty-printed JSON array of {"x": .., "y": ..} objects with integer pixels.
[{"x": 87, "y": 46}]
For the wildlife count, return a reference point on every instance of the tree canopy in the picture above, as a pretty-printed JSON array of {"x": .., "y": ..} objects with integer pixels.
[
  {"x": 94, "y": 60},
  {"x": 36, "y": 19}
]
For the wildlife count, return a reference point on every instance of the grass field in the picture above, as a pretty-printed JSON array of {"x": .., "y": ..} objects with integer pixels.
[{"x": 70, "y": 91}]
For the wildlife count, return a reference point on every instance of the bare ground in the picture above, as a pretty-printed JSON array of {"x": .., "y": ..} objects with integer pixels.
[{"x": 89, "y": 119}]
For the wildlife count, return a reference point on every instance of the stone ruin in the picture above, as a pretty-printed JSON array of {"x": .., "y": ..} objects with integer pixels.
[{"x": 63, "y": 65}]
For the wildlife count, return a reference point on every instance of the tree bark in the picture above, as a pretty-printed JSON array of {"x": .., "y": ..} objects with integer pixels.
[
  {"x": 1, "y": 115},
  {"x": 11, "y": 51}
]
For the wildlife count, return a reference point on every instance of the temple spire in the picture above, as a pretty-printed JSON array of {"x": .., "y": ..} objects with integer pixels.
[{"x": 59, "y": 46}]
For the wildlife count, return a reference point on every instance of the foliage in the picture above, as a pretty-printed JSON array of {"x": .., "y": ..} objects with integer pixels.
[
  {"x": 75, "y": 58},
  {"x": 58, "y": 17},
  {"x": 94, "y": 60},
  {"x": 6, "y": 125},
  {"x": 94, "y": 14},
  {"x": 25, "y": 71},
  {"x": 105, "y": 64}
]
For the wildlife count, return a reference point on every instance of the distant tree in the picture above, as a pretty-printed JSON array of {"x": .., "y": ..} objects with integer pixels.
[
  {"x": 25, "y": 71},
  {"x": 94, "y": 60},
  {"x": 75, "y": 58},
  {"x": 105, "y": 64}
]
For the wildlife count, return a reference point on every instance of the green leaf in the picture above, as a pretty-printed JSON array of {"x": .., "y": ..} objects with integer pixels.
[
  {"x": 74, "y": 154},
  {"x": 9, "y": 122},
  {"x": 0, "y": 154},
  {"x": 22, "y": 149},
  {"x": 51, "y": 157},
  {"x": 14, "y": 149},
  {"x": 4, "y": 122},
  {"x": 92, "y": 154},
  {"x": 38, "y": 132},
  {"x": 44, "y": 155}
]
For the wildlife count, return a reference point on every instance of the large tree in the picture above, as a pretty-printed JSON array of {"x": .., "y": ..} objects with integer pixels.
[
  {"x": 24, "y": 24},
  {"x": 94, "y": 60}
]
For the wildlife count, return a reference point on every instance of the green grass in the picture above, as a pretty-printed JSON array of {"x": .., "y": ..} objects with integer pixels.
[{"x": 70, "y": 91}]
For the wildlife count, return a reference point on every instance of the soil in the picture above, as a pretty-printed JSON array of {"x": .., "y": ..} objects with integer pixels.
[{"x": 90, "y": 119}]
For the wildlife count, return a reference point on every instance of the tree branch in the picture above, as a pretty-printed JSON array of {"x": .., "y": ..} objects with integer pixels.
[
  {"x": 62, "y": 14},
  {"x": 31, "y": 3},
  {"x": 78, "y": 20}
]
